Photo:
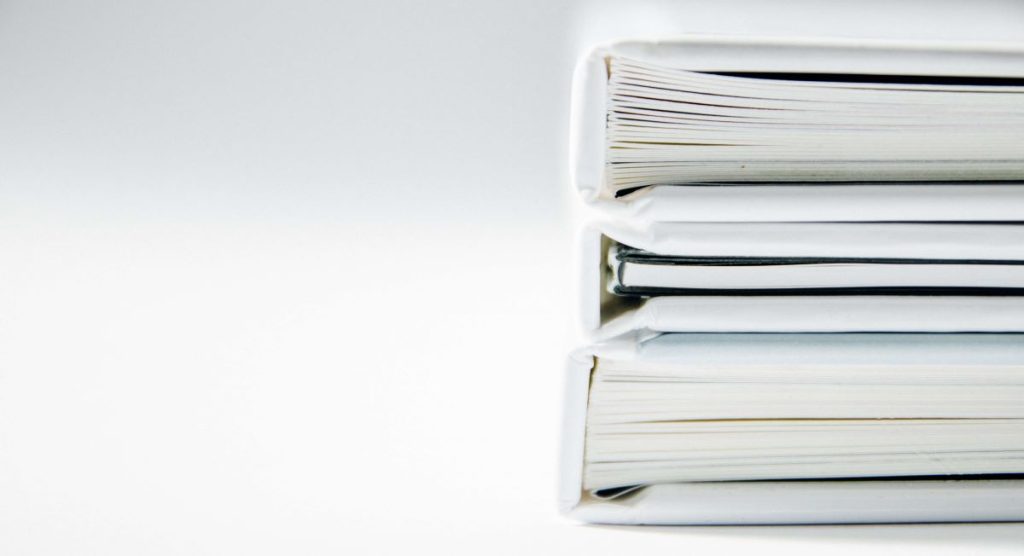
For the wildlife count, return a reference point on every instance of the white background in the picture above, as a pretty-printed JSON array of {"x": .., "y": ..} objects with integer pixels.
[{"x": 292, "y": 277}]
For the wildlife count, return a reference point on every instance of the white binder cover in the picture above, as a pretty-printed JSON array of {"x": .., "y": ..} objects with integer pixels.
[
  {"x": 890, "y": 501},
  {"x": 605, "y": 315},
  {"x": 792, "y": 202},
  {"x": 816, "y": 203}
]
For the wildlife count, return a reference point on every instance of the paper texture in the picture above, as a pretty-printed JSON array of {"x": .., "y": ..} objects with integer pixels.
[
  {"x": 587, "y": 135},
  {"x": 770, "y": 502}
]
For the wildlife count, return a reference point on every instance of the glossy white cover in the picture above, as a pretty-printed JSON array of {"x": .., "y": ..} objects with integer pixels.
[{"x": 815, "y": 203}]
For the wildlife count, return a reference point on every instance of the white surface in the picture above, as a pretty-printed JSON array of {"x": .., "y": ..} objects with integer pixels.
[{"x": 188, "y": 364}]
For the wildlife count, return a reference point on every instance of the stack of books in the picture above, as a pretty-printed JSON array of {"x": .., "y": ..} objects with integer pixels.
[{"x": 804, "y": 293}]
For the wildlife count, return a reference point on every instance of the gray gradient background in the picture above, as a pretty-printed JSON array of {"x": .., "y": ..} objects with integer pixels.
[{"x": 269, "y": 272}]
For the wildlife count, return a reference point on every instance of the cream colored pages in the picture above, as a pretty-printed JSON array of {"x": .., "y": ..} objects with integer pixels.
[
  {"x": 672, "y": 126},
  {"x": 726, "y": 407}
]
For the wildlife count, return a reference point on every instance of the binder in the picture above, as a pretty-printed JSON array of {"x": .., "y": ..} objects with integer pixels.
[{"x": 963, "y": 218}]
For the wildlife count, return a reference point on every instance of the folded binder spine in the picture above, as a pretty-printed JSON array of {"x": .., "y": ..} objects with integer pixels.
[
  {"x": 587, "y": 127},
  {"x": 574, "y": 424}
]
